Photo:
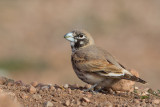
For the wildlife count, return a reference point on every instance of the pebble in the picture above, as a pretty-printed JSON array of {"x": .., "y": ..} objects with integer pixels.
[
  {"x": 149, "y": 105},
  {"x": 40, "y": 91},
  {"x": 69, "y": 91},
  {"x": 143, "y": 104},
  {"x": 84, "y": 104},
  {"x": 2, "y": 80},
  {"x": 75, "y": 86},
  {"x": 78, "y": 102},
  {"x": 32, "y": 90},
  {"x": 136, "y": 88},
  {"x": 48, "y": 104},
  {"x": 1, "y": 90},
  {"x": 66, "y": 86},
  {"x": 85, "y": 99},
  {"x": 10, "y": 82},
  {"x": 89, "y": 95},
  {"x": 67, "y": 103},
  {"x": 59, "y": 90},
  {"x": 37, "y": 96},
  {"x": 156, "y": 101},
  {"x": 24, "y": 95},
  {"x": 40, "y": 85},
  {"x": 52, "y": 88},
  {"x": 19, "y": 83},
  {"x": 34, "y": 83},
  {"x": 144, "y": 93},
  {"x": 136, "y": 101},
  {"x": 108, "y": 104}
]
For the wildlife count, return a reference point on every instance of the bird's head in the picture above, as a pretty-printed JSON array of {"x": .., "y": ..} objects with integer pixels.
[{"x": 79, "y": 39}]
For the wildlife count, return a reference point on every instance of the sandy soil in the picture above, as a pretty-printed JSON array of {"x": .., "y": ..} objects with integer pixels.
[{"x": 19, "y": 94}]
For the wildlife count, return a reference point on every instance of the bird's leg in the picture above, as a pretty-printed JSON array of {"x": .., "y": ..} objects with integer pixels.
[{"x": 91, "y": 88}]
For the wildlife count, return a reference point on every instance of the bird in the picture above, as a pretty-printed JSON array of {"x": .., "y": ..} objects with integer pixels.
[{"x": 94, "y": 65}]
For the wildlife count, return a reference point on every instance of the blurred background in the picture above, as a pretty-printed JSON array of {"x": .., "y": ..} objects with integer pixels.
[{"x": 32, "y": 47}]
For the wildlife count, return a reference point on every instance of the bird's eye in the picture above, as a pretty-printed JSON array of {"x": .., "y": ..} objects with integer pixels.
[{"x": 81, "y": 36}]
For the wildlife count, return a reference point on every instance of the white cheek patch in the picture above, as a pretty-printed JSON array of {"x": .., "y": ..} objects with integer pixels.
[
  {"x": 81, "y": 42},
  {"x": 75, "y": 40}
]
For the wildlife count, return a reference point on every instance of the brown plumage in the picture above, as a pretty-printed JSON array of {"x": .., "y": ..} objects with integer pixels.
[{"x": 94, "y": 65}]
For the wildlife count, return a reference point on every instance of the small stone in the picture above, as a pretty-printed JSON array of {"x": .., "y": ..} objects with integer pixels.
[
  {"x": 52, "y": 88},
  {"x": 69, "y": 91},
  {"x": 48, "y": 104},
  {"x": 40, "y": 91},
  {"x": 67, "y": 103},
  {"x": 116, "y": 106},
  {"x": 156, "y": 101},
  {"x": 54, "y": 99},
  {"x": 108, "y": 104},
  {"x": 84, "y": 104},
  {"x": 89, "y": 95},
  {"x": 24, "y": 95},
  {"x": 66, "y": 86},
  {"x": 58, "y": 90},
  {"x": 37, "y": 96},
  {"x": 136, "y": 88},
  {"x": 71, "y": 105},
  {"x": 23, "y": 88},
  {"x": 10, "y": 82},
  {"x": 85, "y": 99},
  {"x": 32, "y": 90},
  {"x": 143, "y": 100},
  {"x": 75, "y": 86},
  {"x": 149, "y": 105},
  {"x": 78, "y": 102},
  {"x": 144, "y": 93},
  {"x": 2, "y": 80},
  {"x": 1, "y": 90},
  {"x": 40, "y": 85},
  {"x": 34, "y": 83},
  {"x": 136, "y": 101},
  {"x": 143, "y": 104},
  {"x": 19, "y": 83}
]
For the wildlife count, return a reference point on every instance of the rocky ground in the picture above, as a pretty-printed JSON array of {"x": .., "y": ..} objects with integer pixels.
[{"x": 18, "y": 94}]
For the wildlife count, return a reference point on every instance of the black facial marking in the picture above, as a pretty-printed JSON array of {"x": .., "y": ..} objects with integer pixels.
[
  {"x": 78, "y": 43},
  {"x": 80, "y": 40}
]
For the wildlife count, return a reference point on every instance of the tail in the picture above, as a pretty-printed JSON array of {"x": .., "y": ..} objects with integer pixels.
[{"x": 134, "y": 78}]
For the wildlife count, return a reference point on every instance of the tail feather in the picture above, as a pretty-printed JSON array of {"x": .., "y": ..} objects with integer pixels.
[{"x": 134, "y": 78}]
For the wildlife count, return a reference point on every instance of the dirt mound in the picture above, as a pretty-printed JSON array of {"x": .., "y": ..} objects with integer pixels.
[{"x": 17, "y": 94}]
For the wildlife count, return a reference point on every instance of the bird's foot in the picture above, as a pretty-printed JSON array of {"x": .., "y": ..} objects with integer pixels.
[{"x": 91, "y": 88}]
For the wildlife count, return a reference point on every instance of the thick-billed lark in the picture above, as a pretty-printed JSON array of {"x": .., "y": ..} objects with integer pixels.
[{"x": 94, "y": 65}]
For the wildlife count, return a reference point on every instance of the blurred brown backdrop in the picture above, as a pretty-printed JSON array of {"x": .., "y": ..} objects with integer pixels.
[{"x": 32, "y": 47}]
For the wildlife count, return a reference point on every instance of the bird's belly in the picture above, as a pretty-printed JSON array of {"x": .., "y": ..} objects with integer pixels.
[
  {"x": 92, "y": 79},
  {"x": 89, "y": 78}
]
